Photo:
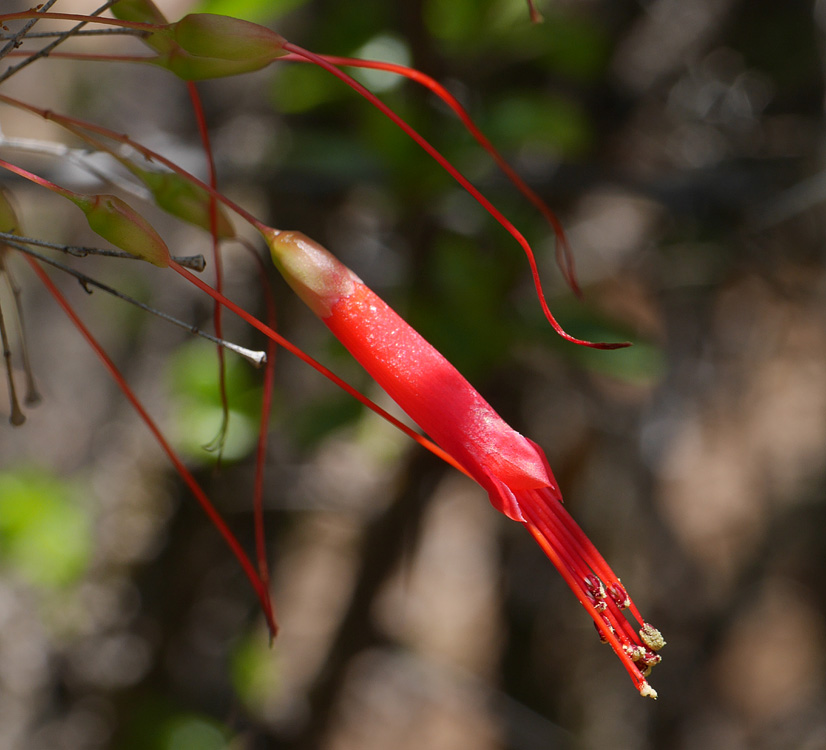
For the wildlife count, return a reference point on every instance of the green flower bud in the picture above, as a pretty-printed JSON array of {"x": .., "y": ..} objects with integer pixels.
[
  {"x": 140, "y": 11},
  {"x": 192, "y": 68},
  {"x": 117, "y": 222},
  {"x": 226, "y": 38},
  {"x": 186, "y": 201}
]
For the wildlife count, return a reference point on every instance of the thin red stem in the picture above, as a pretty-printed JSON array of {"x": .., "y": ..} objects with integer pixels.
[
  {"x": 565, "y": 257},
  {"x": 200, "y": 495},
  {"x": 73, "y": 125},
  {"x": 462, "y": 180},
  {"x": 263, "y": 432},
  {"x": 37, "y": 180},
  {"x": 198, "y": 109}
]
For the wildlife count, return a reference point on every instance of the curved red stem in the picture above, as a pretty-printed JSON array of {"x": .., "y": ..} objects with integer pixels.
[
  {"x": 216, "y": 519},
  {"x": 462, "y": 180}
]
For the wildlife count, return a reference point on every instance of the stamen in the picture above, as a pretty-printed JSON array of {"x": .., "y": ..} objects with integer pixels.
[
  {"x": 580, "y": 564},
  {"x": 646, "y": 691},
  {"x": 619, "y": 595},
  {"x": 610, "y": 623},
  {"x": 651, "y": 637}
]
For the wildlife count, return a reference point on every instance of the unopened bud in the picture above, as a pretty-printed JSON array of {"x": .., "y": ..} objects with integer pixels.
[
  {"x": 226, "y": 38},
  {"x": 140, "y": 11},
  {"x": 116, "y": 221},
  {"x": 192, "y": 68},
  {"x": 186, "y": 201},
  {"x": 314, "y": 273}
]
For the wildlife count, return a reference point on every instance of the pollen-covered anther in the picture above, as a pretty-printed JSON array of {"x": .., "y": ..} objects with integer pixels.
[
  {"x": 651, "y": 637},
  {"x": 646, "y": 691},
  {"x": 650, "y": 659},
  {"x": 594, "y": 586},
  {"x": 637, "y": 653},
  {"x": 595, "y": 592},
  {"x": 599, "y": 605},
  {"x": 619, "y": 595}
]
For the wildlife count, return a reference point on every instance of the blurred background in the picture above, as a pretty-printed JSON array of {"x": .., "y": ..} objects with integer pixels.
[{"x": 682, "y": 146}]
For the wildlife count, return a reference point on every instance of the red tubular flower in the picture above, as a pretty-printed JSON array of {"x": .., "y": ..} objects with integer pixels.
[{"x": 510, "y": 467}]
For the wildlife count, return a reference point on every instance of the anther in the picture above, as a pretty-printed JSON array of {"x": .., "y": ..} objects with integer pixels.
[
  {"x": 619, "y": 595},
  {"x": 651, "y": 637},
  {"x": 594, "y": 586}
]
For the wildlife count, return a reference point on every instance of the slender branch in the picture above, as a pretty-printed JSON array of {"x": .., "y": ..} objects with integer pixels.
[
  {"x": 256, "y": 357},
  {"x": 79, "y": 32},
  {"x": 32, "y": 394},
  {"x": 17, "y": 39},
  {"x": 16, "y": 417},
  {"x": 195, "y": 262},
  {"x": 49, "y": 47},
  {"x": 80, "y": 157}
]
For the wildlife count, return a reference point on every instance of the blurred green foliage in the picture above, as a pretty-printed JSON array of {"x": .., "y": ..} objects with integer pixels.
[
  {"x": 251, "y": 10},
  {"x": 553, "y": 123},
  {"x": 45, "y": 528},
  {"x": 192, "y": 373},
  {"x": 255, "y": 672},
  {"x": 157, "y": 725}
]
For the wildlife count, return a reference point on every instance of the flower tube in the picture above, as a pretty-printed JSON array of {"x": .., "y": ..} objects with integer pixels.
[{"x": 510, "y": 467}]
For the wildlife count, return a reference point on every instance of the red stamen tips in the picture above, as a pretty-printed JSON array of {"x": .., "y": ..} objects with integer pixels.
[
  {"x": 619, "y": 595},
  {"x": 596, "y": 593}
]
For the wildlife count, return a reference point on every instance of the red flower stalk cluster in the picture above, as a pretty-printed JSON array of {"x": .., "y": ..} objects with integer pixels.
[{"x": 510, "y": 467}]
